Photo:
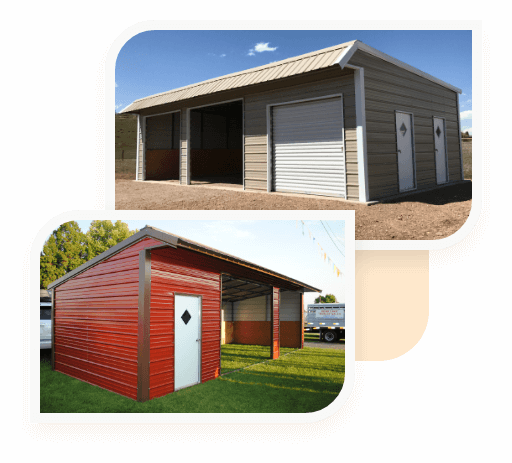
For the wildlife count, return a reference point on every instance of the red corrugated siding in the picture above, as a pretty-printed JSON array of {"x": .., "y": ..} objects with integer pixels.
[
  {"x": 181, "y": 271},
  {"x": 275, "y": 323},
  {"x": 96, "y": 316}
]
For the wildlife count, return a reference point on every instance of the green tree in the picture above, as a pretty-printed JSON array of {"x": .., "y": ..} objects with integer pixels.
[
  {"x": 63, "y": 251},
  {"x": 103, "y": 234},
  {"x": 327, "y": 299}
]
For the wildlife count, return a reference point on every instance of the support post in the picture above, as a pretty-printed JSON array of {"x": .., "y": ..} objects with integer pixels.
[
  {"x": 143, "y": 325},
  {"x": 274, "y": 348}
]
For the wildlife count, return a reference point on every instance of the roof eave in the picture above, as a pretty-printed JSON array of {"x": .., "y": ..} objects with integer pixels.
[{"x": 174, "y": 241}]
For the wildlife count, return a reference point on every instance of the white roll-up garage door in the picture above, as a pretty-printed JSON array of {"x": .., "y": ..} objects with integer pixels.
[{"x": 308, "y": 147}]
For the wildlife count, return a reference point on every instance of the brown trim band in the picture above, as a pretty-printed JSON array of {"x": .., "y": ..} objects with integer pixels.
[
  {"x": 52, "y": 318},
  {"x": 143, "y": 325}
]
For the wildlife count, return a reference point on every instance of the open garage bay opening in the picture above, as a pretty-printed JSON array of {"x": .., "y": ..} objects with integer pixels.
[{"x": 216, "y": 142}]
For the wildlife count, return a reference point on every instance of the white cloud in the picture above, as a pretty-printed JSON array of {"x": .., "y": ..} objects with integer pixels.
[
  {"x": 466, "y": 114},
  {"x": 223, "y": 54},
  {"x": 117, "y": 85},
  {"x": 119, "y": 106},
  {"x": 261, "y": 47},
  {"x": 469, "y": 101}
]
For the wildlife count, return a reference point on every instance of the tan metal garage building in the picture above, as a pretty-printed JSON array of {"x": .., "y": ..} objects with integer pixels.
[{"x": 347, "y": 121}]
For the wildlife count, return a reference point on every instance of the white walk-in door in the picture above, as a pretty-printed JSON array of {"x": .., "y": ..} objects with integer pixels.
[
  {"x": 404, "y": 144},
  {"x": 187, "y": 342},
  {"x": 440, "y": 150},
  {"x": 308, "y": 147}
]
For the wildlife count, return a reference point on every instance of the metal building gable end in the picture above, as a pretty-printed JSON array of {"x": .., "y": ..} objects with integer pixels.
[
  {"x": 344, "y": 59},
  {"x": 146, "y": 232}
]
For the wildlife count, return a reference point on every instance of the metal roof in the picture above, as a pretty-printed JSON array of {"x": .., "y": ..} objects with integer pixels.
[
  {"x": 171, "y": 240},
  {"x": 320, "y": 59},
  {"x": 278, "y": 70}
]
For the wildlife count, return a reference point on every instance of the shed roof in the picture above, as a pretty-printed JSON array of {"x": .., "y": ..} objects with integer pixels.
[
  {"x": 312, "y": 61},
  {"x": 171, "y": 240}
]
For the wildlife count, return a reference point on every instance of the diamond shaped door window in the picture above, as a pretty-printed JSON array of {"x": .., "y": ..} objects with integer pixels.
[
  {"x": 438, "y": 131},
  {"x": 186, "y": 317},
  {"x": 403, "y": 129}
]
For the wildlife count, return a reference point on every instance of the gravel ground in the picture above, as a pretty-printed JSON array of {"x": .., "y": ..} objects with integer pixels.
[{"x": 431, "y": 215}]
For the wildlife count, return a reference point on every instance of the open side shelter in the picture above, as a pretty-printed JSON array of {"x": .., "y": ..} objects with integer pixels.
[{"x": 148, "y": 316}]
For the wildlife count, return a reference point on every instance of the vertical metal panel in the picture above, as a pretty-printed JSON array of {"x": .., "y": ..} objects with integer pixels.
[
  {"x": 253, "y": 309},
  {"x": 52, "y": 317},
  {"x": 138, "y": 148},
  {"x": 243, "y": 142},
  {"x": 143, "y": 341},
  {"x": 308, "y": 147},
  {"x": 289, "y": 308},
  {"x": 460, "y": 140},
  {"x": 302, "y": 320},
  {"x": 362, "y": 148},
  {"x": 274, "y": 348}
]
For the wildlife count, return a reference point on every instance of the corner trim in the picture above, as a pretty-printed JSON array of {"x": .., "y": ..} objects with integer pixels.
[
  {"x": 362, "y": 146},
  {"x": 143, "y": 325},
  {"x": 460, "y": 141},
  {"x": 138, "y": 148},
  {"x": 52, "y": 318}
]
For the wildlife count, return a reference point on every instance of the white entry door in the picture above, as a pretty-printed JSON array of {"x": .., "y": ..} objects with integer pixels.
[
  {"x": 406, "y": 169},
  {"x": 440, "y": 150},
  {"x": 187, "y": 340}
]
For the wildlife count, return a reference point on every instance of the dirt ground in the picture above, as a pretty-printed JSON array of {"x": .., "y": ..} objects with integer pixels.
[{"x": 423, "y": 216}]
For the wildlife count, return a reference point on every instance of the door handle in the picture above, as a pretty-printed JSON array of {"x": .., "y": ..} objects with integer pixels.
[
  {"x": 399, "y": 151},
  {"x": 197, "y": 340}
]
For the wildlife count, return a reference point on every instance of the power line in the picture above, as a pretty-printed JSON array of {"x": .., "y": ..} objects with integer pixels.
[
  {"x": 331, "y": 238},
  {"x": 339, "y": 241}
]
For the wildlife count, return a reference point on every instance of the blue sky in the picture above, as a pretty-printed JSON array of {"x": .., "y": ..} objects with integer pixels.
[
  {"x": 157, "y": 61},
  {"x": 278, "y": 245}
]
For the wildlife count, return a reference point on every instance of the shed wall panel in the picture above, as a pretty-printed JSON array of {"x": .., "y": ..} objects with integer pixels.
[
  {"x": 96, "y": 316},
  {"x": 389, "y": 88},
  {"x": 180, "y": 271},
  {"x": 255, "y": 130}
]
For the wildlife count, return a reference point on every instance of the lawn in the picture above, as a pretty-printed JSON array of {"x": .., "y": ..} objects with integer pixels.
[{"x": 300, "y": 381}]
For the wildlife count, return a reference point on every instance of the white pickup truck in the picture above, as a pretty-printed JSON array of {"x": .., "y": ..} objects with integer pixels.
[
  {"x": 327, "y": 319},
  {"x": 45, "y": 321}
]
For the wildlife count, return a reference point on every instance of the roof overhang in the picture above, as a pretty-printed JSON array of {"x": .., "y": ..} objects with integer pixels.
[
  {"x": 174, "y": 241},
  {"x": 316, "y": 60}
]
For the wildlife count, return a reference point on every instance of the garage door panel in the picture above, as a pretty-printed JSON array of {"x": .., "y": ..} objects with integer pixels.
[{"x": 308, "y": 147}]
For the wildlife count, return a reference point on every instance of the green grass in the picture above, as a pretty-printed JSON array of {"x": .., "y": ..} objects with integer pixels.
[
  {"x": 236, "y": 356},
  {"x": 303, "y": 381}
]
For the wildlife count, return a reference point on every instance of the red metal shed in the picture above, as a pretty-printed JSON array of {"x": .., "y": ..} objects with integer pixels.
[{"x": 146, "y": 317}]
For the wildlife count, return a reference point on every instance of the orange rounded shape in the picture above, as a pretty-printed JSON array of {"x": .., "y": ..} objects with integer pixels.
[{"x": 392, "y": 299}]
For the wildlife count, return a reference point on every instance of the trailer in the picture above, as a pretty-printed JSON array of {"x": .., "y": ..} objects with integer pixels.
[{"x": 327, "y": 319}]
